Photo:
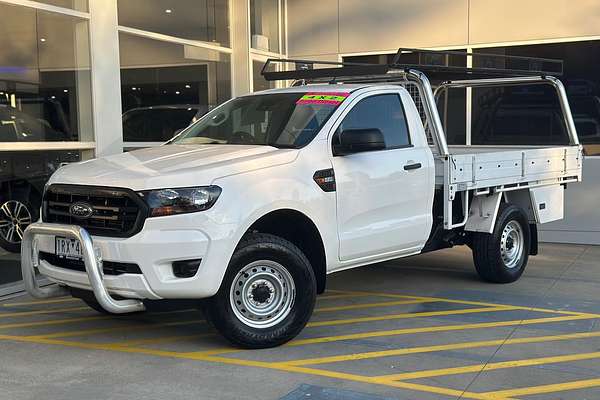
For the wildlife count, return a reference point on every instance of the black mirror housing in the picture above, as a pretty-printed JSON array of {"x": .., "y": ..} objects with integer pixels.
[{"x": 352, "y": 141}]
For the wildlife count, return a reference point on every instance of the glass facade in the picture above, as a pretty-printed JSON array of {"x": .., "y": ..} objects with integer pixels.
[
  {"x": 258, "y": 82},
  {"x": 45, "y": 92},
  {"x": 203, "y": 20},
  {"x": 540, "y": 121},
  {"x": 264, "y": 25},
  {"x": 165, "y": 86}
]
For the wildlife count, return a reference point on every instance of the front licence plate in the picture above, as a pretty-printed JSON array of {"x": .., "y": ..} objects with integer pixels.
[{"x": 69, "y": 248}]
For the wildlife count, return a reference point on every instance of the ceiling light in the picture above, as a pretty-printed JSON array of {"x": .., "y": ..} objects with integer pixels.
[
  {"x": 177, "y": 92},
  {"x": 42, "y": 40},
  {"x": 133, "y": 88},
  {"x": 66, "y": 90},
  {"x": 187, "y": 86},
  {"x": 168, "y": 11},
  {"x": 52, "y": 97}
]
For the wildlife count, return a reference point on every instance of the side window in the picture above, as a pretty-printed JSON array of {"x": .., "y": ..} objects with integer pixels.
[{"x": 384, "y": 112}]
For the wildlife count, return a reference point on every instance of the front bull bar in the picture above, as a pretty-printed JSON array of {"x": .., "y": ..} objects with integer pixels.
[{"x": 93, "y": 265}]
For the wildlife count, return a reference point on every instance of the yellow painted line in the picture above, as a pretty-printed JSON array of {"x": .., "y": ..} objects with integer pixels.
[
  {"x": 371, "y": 305},
  {"x": 476, "y": 303},
  {"x": 442, "y": 328},
  {"x": 407, "y": 316},
  {"x": 38, "y": 302},
  {"x": 41, "y": 312},
  {"x": 149, "y": 326},
  {"x": 53, "y": 322},
  {"x": 442, "y": 347},
  {"x": 341, "y": 296},
  {"x": 492, "y": 366},
  {"x": 207, "y": 357},
  {"x": 138, "y": 342},
  {"x": 552, "y": 388}
]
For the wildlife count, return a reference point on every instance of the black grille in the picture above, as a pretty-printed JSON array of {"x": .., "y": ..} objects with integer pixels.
[
  {"x": 109, "y": 267},
  {"x": 116, "y": 212}
]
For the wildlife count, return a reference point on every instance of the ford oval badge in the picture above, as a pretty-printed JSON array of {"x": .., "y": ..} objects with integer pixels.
[{"x": 81, "y": 210}]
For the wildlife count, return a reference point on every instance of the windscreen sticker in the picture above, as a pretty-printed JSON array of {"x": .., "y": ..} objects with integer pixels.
[{"x": 333, "y": 98}]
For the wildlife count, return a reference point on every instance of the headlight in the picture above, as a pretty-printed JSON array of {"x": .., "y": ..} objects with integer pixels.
[{"x": 181, "y": 200}]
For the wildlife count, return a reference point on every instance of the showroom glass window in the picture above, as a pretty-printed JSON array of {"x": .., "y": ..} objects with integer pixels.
[
  {"x": 166, "y": 86},
  {"x": 258, "y": 82},
  {"x": 264, "y": 25},
  {"x": 538, "y": 119},
  {"x": 204, "y": 20},
  {"x": 45, "y": 97},
  {"x": 45, "y": 88}
]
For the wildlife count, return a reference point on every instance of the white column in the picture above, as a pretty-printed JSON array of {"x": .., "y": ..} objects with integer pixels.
[
  {"x": 240, "y": 42},
  {"x": 106, "y": 78}
]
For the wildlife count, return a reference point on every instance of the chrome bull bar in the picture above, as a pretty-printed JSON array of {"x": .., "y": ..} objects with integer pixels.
[{"x": 91, "y": 259}]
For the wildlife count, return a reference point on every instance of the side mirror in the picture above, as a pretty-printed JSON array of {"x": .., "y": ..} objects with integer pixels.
[{"x": 352, "y": 141}]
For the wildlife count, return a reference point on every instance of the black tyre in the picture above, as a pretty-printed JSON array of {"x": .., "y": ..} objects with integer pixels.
[
  {"x": 501, "y": 256},
  {"x": 15, "y": 215},
  {"x": 267, "y": 295}
]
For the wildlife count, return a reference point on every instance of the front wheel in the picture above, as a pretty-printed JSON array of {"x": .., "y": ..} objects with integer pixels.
[
  {"x": 501, "y": 256},
  {"x": 267, "y": 295}
]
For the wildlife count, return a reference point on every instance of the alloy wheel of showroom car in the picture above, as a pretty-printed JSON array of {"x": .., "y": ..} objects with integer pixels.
[
  {"x": 15, "y": 216},
  {"x": 267, "y": 295}
]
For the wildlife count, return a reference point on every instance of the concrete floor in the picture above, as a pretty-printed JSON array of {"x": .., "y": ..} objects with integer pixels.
[{"x": 421, "y": 328}]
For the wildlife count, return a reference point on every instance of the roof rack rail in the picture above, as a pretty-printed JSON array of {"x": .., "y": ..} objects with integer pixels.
[{"x": 427, "y": 61}]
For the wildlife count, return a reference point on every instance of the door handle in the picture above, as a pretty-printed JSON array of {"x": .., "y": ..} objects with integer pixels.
[{"x": 409, "y": 167}]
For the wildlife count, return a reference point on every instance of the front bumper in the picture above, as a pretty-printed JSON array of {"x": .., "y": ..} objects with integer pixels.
[
  {"x": 91, "y": 258},
  {"x": 162, "y": 241}
]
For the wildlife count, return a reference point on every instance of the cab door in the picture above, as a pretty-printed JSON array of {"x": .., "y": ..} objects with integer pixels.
[{"x": 384, "y": 197}]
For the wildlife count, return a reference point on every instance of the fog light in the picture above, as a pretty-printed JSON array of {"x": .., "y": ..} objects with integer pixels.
[{"x": 186, "y": 268}]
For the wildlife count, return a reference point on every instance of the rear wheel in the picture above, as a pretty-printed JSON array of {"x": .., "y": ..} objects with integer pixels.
[
  {"x": 267, "y": 295},
  {"x": 501, "y": 256}
]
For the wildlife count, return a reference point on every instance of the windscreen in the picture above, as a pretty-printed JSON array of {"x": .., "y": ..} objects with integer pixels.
[{"x": 285, "y": 120}]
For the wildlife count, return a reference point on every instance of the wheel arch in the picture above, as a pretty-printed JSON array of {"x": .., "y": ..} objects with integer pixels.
[{"x": 296, "y": 227}]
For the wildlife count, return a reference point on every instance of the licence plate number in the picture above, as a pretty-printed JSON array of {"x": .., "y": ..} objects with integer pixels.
[{"x": 69, "y": 248}]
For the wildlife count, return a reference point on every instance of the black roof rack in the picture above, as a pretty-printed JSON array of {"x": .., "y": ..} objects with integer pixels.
[{"x": 432, "y": 62}]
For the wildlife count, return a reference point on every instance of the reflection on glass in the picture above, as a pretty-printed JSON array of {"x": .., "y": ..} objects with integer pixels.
[
  {"x": 167, "y": 86},
  {"x": 282, "y": 120},
  {"x": 582, "y": 82},
  {"x": 45, "y": 88},
  {"x": 205, "y": 20},
  {"x": 258, "y": 81},
  {"x": 79, "y": 5},
  {"x": 264, "y": 25},
  {"x": 22, "y": 179}
]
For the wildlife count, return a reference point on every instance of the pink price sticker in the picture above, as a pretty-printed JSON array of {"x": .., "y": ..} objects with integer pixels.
[{"x": 333, "y": 98}]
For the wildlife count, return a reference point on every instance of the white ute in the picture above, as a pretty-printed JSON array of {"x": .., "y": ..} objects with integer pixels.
[{"x": 253, "y": 205}]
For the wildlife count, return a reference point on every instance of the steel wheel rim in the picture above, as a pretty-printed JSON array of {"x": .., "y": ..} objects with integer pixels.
[
  {"x": 262, "y": 294},
  {"x": 512, "y": 244},
  {"x": 14, "y": 218}
]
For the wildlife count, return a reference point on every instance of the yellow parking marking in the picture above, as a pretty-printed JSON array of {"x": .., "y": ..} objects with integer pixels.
[
  {"x": 341, "y": 296},
  {"x": 138, "y": 342},
  {"x": 41, "y": 312},
  {"x": 207, "y": 357},
  {"x": 442, "y": 328},
  {"x": 53, "y": 322},
  {"x": 371, "y": 305},
  {"x": 442, "y": 347},
  {"x": 406, "y": 316},
  {"x": 492, "y": 366},
  {"x": 150, "y": 326},
  {"x": 552, "y": 388},
  {"x": 477, "y": 303},
  {"x": 39, "y": 302}
]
